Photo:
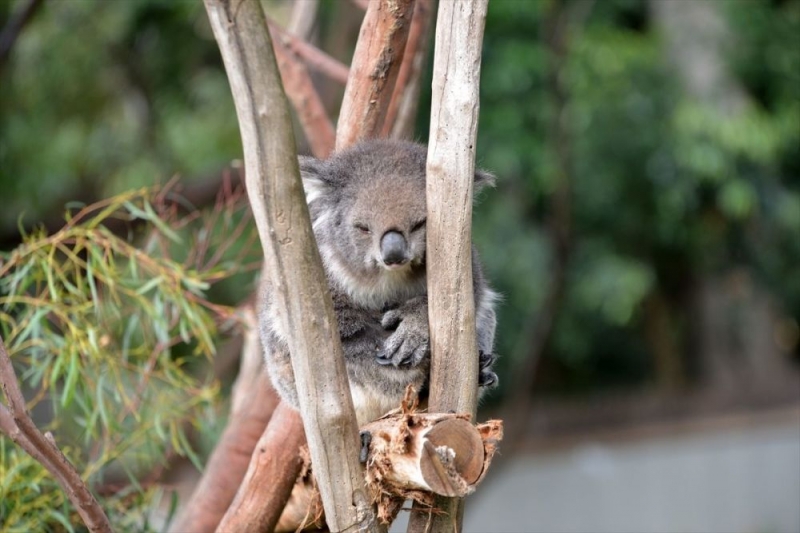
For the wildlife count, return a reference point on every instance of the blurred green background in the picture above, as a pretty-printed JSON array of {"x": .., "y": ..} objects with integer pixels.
[{"x": 630, "y": 197}]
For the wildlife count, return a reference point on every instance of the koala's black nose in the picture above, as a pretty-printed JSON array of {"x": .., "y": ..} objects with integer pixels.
[{"x": 393, "y": 248}]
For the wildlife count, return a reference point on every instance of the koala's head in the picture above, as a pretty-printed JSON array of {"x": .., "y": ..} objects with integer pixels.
[{"x": 368, "y": 211}]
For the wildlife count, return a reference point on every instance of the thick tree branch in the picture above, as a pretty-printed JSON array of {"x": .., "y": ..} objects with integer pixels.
[
  {"x": 376, "y": 64},
  {"x": 268, "y": 483},
  {"x": 402, "y": 112},
  {"x": 17, "y": 424},
  {"x": 292, "y": 260},
  {"x": 450, "y": 171}
]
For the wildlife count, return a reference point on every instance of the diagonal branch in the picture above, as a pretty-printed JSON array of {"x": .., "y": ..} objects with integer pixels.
[
  {"x": 305, "y": 99},
  {"x": 292, "y": 260},
  {"x": 316, "y": 58},
  {"x": 373, "y": 73},
  {"x": 402, "y": 112},
  {"x": 17, "y": 424}
]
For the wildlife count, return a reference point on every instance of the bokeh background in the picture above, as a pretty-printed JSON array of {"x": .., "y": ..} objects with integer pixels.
[{"x": 644, "y": 232}]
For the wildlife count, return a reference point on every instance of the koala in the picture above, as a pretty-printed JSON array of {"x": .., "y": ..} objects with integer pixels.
[{"x": 368, "y": 210}]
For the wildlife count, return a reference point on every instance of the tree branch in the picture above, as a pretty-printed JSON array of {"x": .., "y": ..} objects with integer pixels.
[
  {"x": 316, "y": 58},
  {"x": 402, "y": 112},
  {"x": 292, "y": 260},
  {"x": 311, "y": 113},
  {"x": 373, "y": 73},
  {"x": 450, "y": 171},
  {"x": 17, "y": 424},
  {"x": 252, "y": 404},
  {"x": 268, "y": 483}
]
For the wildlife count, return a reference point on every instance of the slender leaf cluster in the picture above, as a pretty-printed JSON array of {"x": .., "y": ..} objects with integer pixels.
[{"x": 111, "y": 336}]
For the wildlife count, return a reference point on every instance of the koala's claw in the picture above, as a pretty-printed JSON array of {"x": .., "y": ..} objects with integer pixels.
[
  {"x": 366, "y": 440},
  {"x": 401, "y": 350},
  {"x": 486, "y": 378}
]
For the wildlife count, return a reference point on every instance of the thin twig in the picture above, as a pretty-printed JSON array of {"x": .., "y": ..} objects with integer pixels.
[
  {"x": 316, "y": 58},
  {"x": 17, "y": 424}
]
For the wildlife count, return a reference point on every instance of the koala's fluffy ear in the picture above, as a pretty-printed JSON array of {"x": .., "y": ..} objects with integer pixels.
[
  {"x": 312, "y": 171},
  {"x": 483, "y": 179}
]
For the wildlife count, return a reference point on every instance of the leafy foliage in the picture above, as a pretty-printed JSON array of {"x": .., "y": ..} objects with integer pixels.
[{"x": 108, "y": 336}]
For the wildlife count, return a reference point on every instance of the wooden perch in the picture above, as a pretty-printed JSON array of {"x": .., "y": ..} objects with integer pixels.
[
  {"x": 376, "y": 64},
  {"x": 18, "y": 426},
  {"x": 411, "y": 455}
]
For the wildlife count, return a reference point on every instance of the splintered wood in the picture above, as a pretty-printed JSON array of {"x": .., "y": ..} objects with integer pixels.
[{"x": 412, "y": 455}]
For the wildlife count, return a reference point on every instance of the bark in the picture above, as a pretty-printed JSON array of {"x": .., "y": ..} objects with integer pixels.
[
  {"x": 266, "y": 487},
  {"x": 18, "y": 426},
  {"x": 252, "y": 405},
  {"x": 311, "y": 113},
  {"x": 402, "y": 113},
  {"x": 292, "y": 260},
  {"x": 373, "y": 72},
  {"x": 450, "y": 171},
  {"x": 316, "y": 58},
  {"x": 411, "y": 455}
]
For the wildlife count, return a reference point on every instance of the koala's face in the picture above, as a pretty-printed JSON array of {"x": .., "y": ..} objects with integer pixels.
[{"x": 368, "y": 211}]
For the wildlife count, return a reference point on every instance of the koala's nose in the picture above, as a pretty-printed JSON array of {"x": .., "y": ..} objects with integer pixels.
[{"x": 393, "y": 248}]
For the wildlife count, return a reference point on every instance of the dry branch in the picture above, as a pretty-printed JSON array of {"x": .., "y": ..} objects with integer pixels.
[
  {"x": 376, "y": 64},
  {"x": 450, "y": 170},
  {"x": 17, "y": 424},
  {"x": 266, "y": 487},
  {"x": 402, "y": 112},
  {"x": 253, "y": 401},
  {"x": 316, "y": 58},
  {"x": 292, "y": 260},
  {"x": 311, "y": 113}
]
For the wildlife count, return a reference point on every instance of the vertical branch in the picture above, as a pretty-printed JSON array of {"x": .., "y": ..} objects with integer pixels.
[
  {"x": 293, "y": 262},
  {"x": 373, "y": 73},
  {"x": 17, "y": 424},
  {"x": 402, "y": 110},
  {"x": 450, "y": 171}
]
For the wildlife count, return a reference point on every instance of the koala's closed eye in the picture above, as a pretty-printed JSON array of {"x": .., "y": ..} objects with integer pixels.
[
  {"x": 363, "y": 228},
  {"x": 418, "y": 225}
]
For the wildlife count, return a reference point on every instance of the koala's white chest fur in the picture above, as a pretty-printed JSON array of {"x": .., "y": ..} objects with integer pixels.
[{"x": 371, "y": 404}]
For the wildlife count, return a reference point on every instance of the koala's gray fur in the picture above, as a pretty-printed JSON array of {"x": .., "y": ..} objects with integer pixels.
[{"x": 368, "y": 210}]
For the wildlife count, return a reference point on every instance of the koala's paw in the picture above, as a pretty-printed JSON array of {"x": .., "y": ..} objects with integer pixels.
[
  {"x": 408, "y": 345},
  {"x": 486, "y": 378}
]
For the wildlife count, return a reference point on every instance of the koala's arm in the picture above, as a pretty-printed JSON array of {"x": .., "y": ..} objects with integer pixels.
[{"x": 409, "y": 344}]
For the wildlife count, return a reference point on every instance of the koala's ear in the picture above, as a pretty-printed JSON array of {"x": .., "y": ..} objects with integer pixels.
[
  {"x": 312, "y": 171},
  {"x": 483, "y": 179}
]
